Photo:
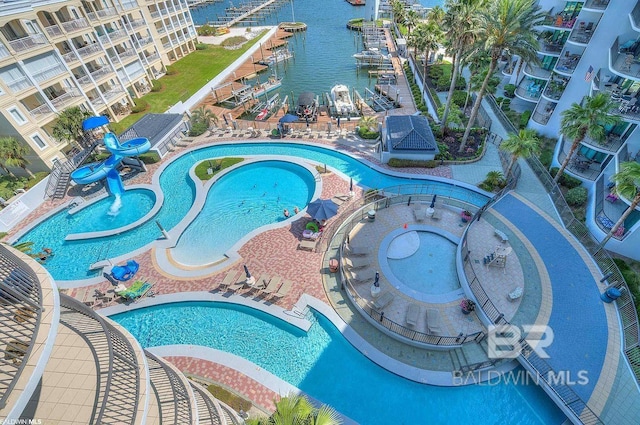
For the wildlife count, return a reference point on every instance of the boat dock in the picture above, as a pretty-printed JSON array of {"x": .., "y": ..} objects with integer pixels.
[{"x": 242, "y": 14}]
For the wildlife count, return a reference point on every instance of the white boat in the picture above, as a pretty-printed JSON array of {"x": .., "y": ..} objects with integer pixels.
[
  {"x": 371, "y": 56},
  {"x": 342, "y": 100}
]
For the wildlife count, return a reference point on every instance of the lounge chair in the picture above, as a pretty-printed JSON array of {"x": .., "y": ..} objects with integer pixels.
[
  {"x": 229, "y": 279},
  {"x": 358, "y": 250},
  {"x": 284, "y": 289},
  {"x": 433, "y": 321},
  {"x": 307, "y": 245},
  {"x": 383, "y": 300},
  {"x": 356, "y": 263},
  {"x": 239, "y": 283},
  {"x": 338, "y": 201},
  {"x": 413, "y": 311},
  {"x": 501, "y": 235},
  {"x": 362, "y": 276},
  {"x": 515, "y": 294},
  {"x": 273, "y": 285},
  {"x": 126, "y": 272},
  {"x": 343, "y": 196},
  {"x": 437, "y": 214},
  {"x": 136, "y": 291},
  {"x": 260, "y": 283},
  {"x": 419, "y": 213}
]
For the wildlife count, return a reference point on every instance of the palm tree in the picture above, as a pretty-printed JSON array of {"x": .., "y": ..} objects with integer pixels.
[
  {"x": 521, "y": 145},
  {"x": 411, "y": 19},
  {"x": 12, "y": 154},
  {"x": 505, "y": 24},
  {"x": 460, "y": 27},
  {"x": 68, "y": 126},
  {"x": 627, "y": 185},
  {"x": 204, "y": 115},
  {"x": 436, "y": 15},
  {"x": 369, "y": 122},
  {"x": 580, "y": 121},
  {"x": 298, "y": 410},
  {"x": 398, "y": 10},
  {"x": 426, "y": 38}
]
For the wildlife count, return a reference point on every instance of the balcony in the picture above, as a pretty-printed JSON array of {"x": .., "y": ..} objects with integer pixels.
[
  {"x": 598, "y": 5},
  {"x": 582, "y": 167},
  {"x": 31, "y": 42},
  {"x": 555, "y": 87},
  {"x": 611, "y": 144},
  {"x": 70, "y": 57},
  {"x": 101, "y": 73},
  {"x": 106, "y": 13},
  {"x": 155, "y": 15},
  {"x": 138, "y": 23},
  {"x": 551, "y": 48},
  {"x": 41, "y": 112},
  {"x": 537, "y": 72},
  {"x": 124, "y": 56},
  {"x": 543, "y": 112},
  {"x": 66, "y": 98},
  {"x": 19, "y": 84},
  {"x": 611, "y": 208},
  {"x": 112, "y": 93},
  {"x": 135, "y": 74},
  {"x": 582, "y": 33},
  {"x": 128, "y": 5},
  {"x": 568, "y": 63},
  {"x": 49, "y": 73},
  {"x": 559, "y": 21},
  {"x": 152, "y": 58},
  {"x": 114, "y": 36},
  {"x": 90, "y": 49},
  {"x": 75, "y": 25},
  {"x": 144, "y": 41},
  {"x": 53, "y": 31},
  {"x": 530, "y": 90}
]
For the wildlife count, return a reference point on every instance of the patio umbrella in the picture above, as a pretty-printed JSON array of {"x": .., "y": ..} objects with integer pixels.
[
  {"x": 288, "y": 118},
  {"x": 376, "y": 282},
  {"x": 322, "y": 209},
  {"x": 433, "y": 201},
  {"x": 246, "y": 271}
]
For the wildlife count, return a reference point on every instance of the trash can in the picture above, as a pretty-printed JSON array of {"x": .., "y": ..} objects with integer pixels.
[
  {"x": 333, "y": 265},
  {"x": 371, "y": 215},
  {"x": 610, "y": 295}
]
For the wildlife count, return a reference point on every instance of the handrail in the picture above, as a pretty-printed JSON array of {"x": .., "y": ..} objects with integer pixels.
[
  {"x": 20, "y": 316},
  {"x": 118, "y": 371},
  {"x": 625, "y": 304},
  {"x": 176, "y": 394}
]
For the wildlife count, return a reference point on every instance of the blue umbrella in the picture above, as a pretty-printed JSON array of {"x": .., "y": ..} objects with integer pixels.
[
  {"x": 322, "y": 209},
  {"x": 288, "y": 118},
  {"x": 246, "y": 271}
]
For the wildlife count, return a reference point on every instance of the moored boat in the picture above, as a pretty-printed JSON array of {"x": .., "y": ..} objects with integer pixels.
[{"x": 342, "y": 102}]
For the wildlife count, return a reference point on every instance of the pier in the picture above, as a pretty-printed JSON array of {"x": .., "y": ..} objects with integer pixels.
[{"x": 241, "y": 14}]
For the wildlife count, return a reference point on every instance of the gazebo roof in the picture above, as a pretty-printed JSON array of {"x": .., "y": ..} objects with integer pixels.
[{"x": 410, "y": 133}]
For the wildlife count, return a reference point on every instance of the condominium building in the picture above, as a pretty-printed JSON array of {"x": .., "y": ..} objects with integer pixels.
[
  {"x": 97, "y": 55},
  {"x": 61, "y": 362},
  {"x": 587, "y": 47}
]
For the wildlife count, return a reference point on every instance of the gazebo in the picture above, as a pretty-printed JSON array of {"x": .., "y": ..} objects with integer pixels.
[{"x": 408, "y": 137}]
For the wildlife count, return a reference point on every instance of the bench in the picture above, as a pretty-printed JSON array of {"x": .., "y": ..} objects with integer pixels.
[
  {"x": 500, "y": 234},
  {"x": 433, "y": 321},
  {"x": 383, "y": 301}
]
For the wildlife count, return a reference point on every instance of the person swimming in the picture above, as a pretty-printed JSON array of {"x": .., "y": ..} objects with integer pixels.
[
  {"x": 296, "y": 210},
  {"x": 286, "y": 213}
]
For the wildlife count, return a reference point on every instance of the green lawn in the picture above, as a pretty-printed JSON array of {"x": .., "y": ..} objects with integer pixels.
[{"x": 185, "y": 77}]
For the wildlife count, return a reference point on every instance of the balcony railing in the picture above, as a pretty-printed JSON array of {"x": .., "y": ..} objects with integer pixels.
[
  {"x": 19, "y": 84},
  {"x": 113, "y": 36},
  {"x": 124, "y": 56},
  {"x": 27, "y": 43},
  {"x": 101, "y": 73},
  {"x": 568, "y": 63},
  {"x": 145, "y": 41},
  {"x": 583, "y": 168},
  {"x": 583, "y": 32},
  {"x": 551, "y": 47},
  {"x": 152, "y": 58},
  {"x": 537, "y": 72},
  {"x": 84, "y": 80},
  {"x": 128, "y": 5},
  {"x": 135, "y": 74},
  {"x": 138, "y": 23},
  {"x": 66, "y": 98},
  {"x": 112, "y": 93},
  {"x": 89, "y": 50},
  {"x": 554, "y": 89},
  {"x": 596, "y": 4},
  {"x": 49, "y": 73},
  {"x": 75, "y": 25},
  {"x": 155, "y": 14},
  {"x": 41, "y": 110},
  {"x": 70, "y": 57},
  {"x": 612, "y": 143},
  {"x": 105, "y": 13},
  {"x": 54, "y": 31},
  {"x": 558, "y": 21}
]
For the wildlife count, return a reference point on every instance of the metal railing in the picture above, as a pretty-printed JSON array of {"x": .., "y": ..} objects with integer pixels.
[
  {"x": 117, "y": 369},
  {"x": 61, "y": 101},
  {"x": 19, "y": 84},
  {"x": 171, "y": 393},
  {"x": 28, "y": 43},
  {"x": 506, "y": 122},
  {"x": 625, "y": 304},
  {"x": 75, "y": 25},
  {"x": 43, "y": 109},
  {"x": 49, "y": 73},
  {"x": 20, "y": 315},
  {"x": 53, "y": 31}
]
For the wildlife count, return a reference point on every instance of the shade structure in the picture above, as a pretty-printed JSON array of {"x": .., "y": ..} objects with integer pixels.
[
  {"x": 322, "y": 209},
  {"x": 246, "y": 272},
  {"x": 288, "y": 118}
]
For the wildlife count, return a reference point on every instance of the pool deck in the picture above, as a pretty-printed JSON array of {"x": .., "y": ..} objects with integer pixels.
[{"x": 550, "y": 265}]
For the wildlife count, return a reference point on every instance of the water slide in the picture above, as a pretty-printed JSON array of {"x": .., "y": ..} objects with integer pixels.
[{"x": 108, "y": 169}]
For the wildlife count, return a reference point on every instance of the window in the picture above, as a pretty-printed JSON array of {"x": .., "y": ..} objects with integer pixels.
[
  {"x": 54, "y": 160},
  {"x": 17, "y": 116},
  {"x": 38, "y": 141}
]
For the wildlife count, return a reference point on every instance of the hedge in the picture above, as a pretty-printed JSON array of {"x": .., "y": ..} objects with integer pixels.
[{"x": 401, "y": 163}]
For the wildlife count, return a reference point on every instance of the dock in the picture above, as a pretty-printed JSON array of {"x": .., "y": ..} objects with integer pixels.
[{"x": 241, "y": 14}]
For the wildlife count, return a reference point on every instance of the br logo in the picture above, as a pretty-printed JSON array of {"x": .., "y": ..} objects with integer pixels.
[{"x": 506, "y": 341}]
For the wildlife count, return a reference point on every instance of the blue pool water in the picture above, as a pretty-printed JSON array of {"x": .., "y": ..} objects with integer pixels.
[
  {"x": 431, "y": 269},
  {"x": 73, "y": 258},
  {"x": 243, "y": 200},
  {"x": 324, "y": 365}
]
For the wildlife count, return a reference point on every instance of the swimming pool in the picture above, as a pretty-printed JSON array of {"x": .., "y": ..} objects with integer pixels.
[
  {"x": 322, "y": 363},
  {"x": 431, "y": 268},
  {"x": 241, "y": 201},
  {"x": 73, "y": 258}
]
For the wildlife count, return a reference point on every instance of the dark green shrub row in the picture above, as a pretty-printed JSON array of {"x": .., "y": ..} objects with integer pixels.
[
  {"x": 633, "y": 280},
  {"x": 365, "y": 133},
  {"x": 524, "y": 119},
  {"x": 459, "y": 98},
  {"x": 444, "y": 152},
  {"x": 236, "y": 403},
  {"x": 206, "y": 30},
  {"x": 149, "y": 157},
  {"x": 566, "y": 180},
  {"x": 139, "y": 105},
  {"x": 202, "y": 46},
  {"x": 401, "y": 163},
  {"x": 510, "y": 90},
  {"x": 197, "y": 128},
  {"x": 576, "y": 196},
  {"x": 156, "y": 85}
]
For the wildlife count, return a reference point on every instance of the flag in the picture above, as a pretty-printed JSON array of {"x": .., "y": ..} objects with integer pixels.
[{"x": 589, "y": 75}]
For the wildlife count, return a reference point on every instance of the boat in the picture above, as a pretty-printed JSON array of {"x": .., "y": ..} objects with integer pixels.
[
  {"x": 370, "y": 56},
  {"x": 278, "y": 56},
  {"x": 263, "y": 88},
  {"x": 307, "y": 105},
  {"x": 342, "y": 100},
  {"x": 266, "y": 108}
]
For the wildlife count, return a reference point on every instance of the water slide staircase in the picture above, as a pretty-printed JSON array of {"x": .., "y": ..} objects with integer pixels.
[{"x": 60, "y": 176}]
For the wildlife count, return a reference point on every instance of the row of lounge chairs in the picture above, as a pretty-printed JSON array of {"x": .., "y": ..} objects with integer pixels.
[
  {"x": 272, "y": 287},
  {"x": 434, "y": 325},
  {"x": 137, "y": 291}
]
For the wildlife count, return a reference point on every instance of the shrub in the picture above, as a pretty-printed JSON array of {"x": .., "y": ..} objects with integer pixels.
[
  {"x": 400, "y": 163},
  {"x": 365, "y": 133},
  {"x": 459, "y": 97},
  {"x": 234, "y": 41},
  {"x": 444, "y": 152},
  {"x": 149, "y": 157},
  {"x": 171, "y": 71},
  {"x": 234, "y": 401},
  {"x": 566, "y": 180},
  {"x": 546, "y": 157},
  {"x": 139, "y": 105},
  {"x": 576, "y": 196},
  {"x": 197, "y": 128},
  {"x": 524, "y": 119},
  {"x": 632, "y": 278},
  {"x": 202, "y": 46},
  {"x": 510, "y": 90},
  {"x": 206, "y": 30},
  {"x": 156, "y": 85}
]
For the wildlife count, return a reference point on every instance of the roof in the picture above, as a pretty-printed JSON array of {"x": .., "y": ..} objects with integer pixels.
[
  {"x": 152, "y": 126},
  {"x": 306, "y": 98},
  {"x": 410, "y": 133}
]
